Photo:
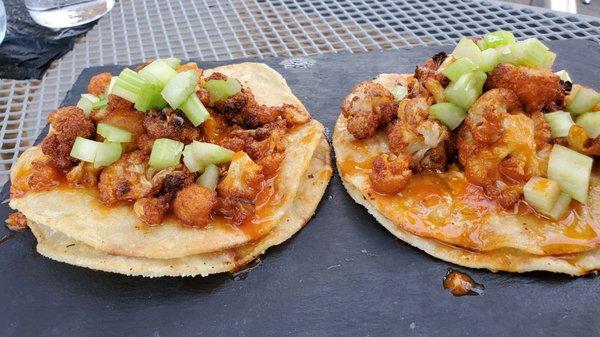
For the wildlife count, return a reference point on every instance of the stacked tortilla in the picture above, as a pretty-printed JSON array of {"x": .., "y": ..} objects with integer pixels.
[{"x": 72, "y": 225}]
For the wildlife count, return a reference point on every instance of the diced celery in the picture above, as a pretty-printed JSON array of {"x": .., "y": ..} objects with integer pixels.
[
  {"x": 128, "y": 85},
  {"x": 490, "y": 58},
  {"x": 541, "y": 193},
  {"x": 560, "y": 123},
  {"x": 113, "y": 133},
  {"x": 532, "y": 53},
  {"x": 109, "y": 89},
  {"x": 563, "y": 75},
  {"x": 84, "y": 149},
  {"x": 458, "y": 68},
  {"x": 179, "y": 88},
  {"x": 149, "y": 97},
  {"x": 449, "y": 114},
  {"x": 210, "y": 177},
  {"x": 467, "y": 48},
  {"x": 158, "y": 73},
  {"x": 498, "y": 38},
  {"x": 87, "y": 103},
  {"x": 466, "y": 90},
  {"x": 222, "y": 89},
  {"x": 590, "y": 121},
  {"x": 571, "y": 170},
  {"x": 173, "y": 62},
  {"x": 107, "y": 153},
  {"x": 165, "y": 153},
  {"x": 399, "y": 92},
  {"x": 560, "y": 207},
  {"x": 584, "y": 99},
  {"x": 194, "y": 110},
  {"x": 197, "y": 155}
]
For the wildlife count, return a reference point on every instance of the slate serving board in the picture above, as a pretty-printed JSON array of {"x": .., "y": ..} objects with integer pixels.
[{"x": 342, "y": 275}]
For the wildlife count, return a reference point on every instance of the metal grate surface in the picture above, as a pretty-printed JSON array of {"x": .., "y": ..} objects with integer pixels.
[{"x": 225, "y": 29}]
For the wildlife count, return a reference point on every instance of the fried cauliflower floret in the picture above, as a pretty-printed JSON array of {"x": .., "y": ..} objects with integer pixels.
[
  {"x": 169, "y": 123},
  {"x": 99, "y": 83},
  {"x": 67, "y": 123},
  {"x": 243, "y": 110},
  {"x": 265, "y": 145},
  {"x": 293, "y": 115},
  {"x": 543, "y": 134},
  {"x": 165, "y": 185},
  {"x": 390, "y": 173},
  {"x": 537, "y": 89},
  {"x": 125, "y": 179},
  {"x": 190, "y": 66},
  {"x": 194, "y": 204},
  {"x": 430, "y": 70},
  {"x": 243, "y": 178},
  {"x": 423, "y": 139},
  {"x": 16, "y": 222},
  {"x": 579, "y": 141},
  {"x": 501, "y": 158},
  {"x": 84, "y": 175},
  {"x": 368, "y": 107}
]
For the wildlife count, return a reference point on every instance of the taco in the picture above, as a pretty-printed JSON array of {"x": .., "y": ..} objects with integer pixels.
[
  {"x": 483, "y": 158},
  {"x": 173, "y": 170}
]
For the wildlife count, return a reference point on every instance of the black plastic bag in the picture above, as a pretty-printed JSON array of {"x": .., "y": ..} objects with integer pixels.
[{"x": 28, "y": 48}]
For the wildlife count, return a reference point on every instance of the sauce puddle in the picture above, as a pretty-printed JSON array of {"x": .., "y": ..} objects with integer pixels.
[{"x": 461, "y": 284}]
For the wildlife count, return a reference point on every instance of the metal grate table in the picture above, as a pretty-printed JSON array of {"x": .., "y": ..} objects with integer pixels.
[{"x": 225, "y": 29}]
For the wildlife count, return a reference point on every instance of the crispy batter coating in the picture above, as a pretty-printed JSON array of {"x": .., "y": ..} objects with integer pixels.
[
  {"x": 16, "y": 222},
  {"x": 537, "y": 89},
  {"x": 497, "y": 146},
  {"x": 543, "y": 134},
  {"x": 579, "y": 141},
  {"x": 125, "y": 179},
  {"x": 243, "y": 110},
  {"x": 390, "y": 173},
  {"x": 169, "y": 123},
  {"x": 243, "y": 178},
  {"x": 67, "y": 123},
  {"x": 429, "y": 70},
  {"x": 194, "y": 204},
  {"x": 368, "y": 107},
  {"x": 423, "y": 139},
  {"x": 83, "y": 175},
  {"x": 165, "y": 185},
  {"x": 293, "y": 115},
  {"x": 99, "y": 83},
  {"x": 190, "y": 66},
  {"x": 265, "y": 145}
]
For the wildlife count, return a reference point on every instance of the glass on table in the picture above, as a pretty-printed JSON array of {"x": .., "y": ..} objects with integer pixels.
[
  {"x": 2, "y": 21},
  {"x": 67, "y": 13}
]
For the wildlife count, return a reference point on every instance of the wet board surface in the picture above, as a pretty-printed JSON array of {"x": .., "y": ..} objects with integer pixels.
[{"x": 342, "y": 275}]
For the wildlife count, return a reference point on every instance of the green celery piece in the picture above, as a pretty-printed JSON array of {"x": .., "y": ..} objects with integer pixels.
[
  {"x": 466, "y": 90},
  {"x": 467, "y": 48},
  {"x": 560, "y": 123},
  {"x": 490, "y": 58},
  {"x": 572, "y": 171},
  {"x": 173, "y": 62},
  {"x": 114, "y": 133},
  {"x": 583, "y": 101},
  {"x": 498, "y": 38},
  {"x": 165, "y": 153},
  {"x": 222, "y": 89},
  {"x": 590, "y": 121},
  {"x": 149, "y": 97},
  {"x": 194, "y": 110},
  {"x": 84, "y": 149},
  {"x": 210, "y": 177},
  {"x": 107, "y": 153},
  {"x": 158, "y": 73},
  {"x": 87, "y": 103},
  {"x": 449, "y": 114},
  {"x": 179, "y": 88},
  {"x": 459, "y": 67}
]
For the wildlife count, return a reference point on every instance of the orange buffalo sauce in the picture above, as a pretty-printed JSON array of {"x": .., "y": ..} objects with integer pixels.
[{"x": 430, "y": 202}]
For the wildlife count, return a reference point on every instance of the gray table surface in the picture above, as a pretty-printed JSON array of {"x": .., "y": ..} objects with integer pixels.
[{"x": 227, "y": 29}]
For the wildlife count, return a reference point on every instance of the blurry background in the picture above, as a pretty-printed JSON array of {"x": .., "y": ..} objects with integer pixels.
[{"x": 587, "y": 7}]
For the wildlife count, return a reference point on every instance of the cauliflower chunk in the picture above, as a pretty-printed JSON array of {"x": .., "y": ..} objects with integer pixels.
[
  {"x": 243, "y": 178},
  {"x": 390, "y": 173},
  {"x": 368, "y": 107},
  {"x": 193, "y": 205}
]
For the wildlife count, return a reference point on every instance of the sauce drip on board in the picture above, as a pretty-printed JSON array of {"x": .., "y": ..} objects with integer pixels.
[{"x": 461, "y": 284}]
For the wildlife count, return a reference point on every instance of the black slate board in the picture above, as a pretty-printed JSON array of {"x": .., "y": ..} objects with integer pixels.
[{"x": 342, "y": 275}]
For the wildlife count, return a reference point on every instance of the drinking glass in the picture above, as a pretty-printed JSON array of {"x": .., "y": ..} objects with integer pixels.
[
  {"x": 2, "y": 21},
  {"x": 67, "y": 13}
]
